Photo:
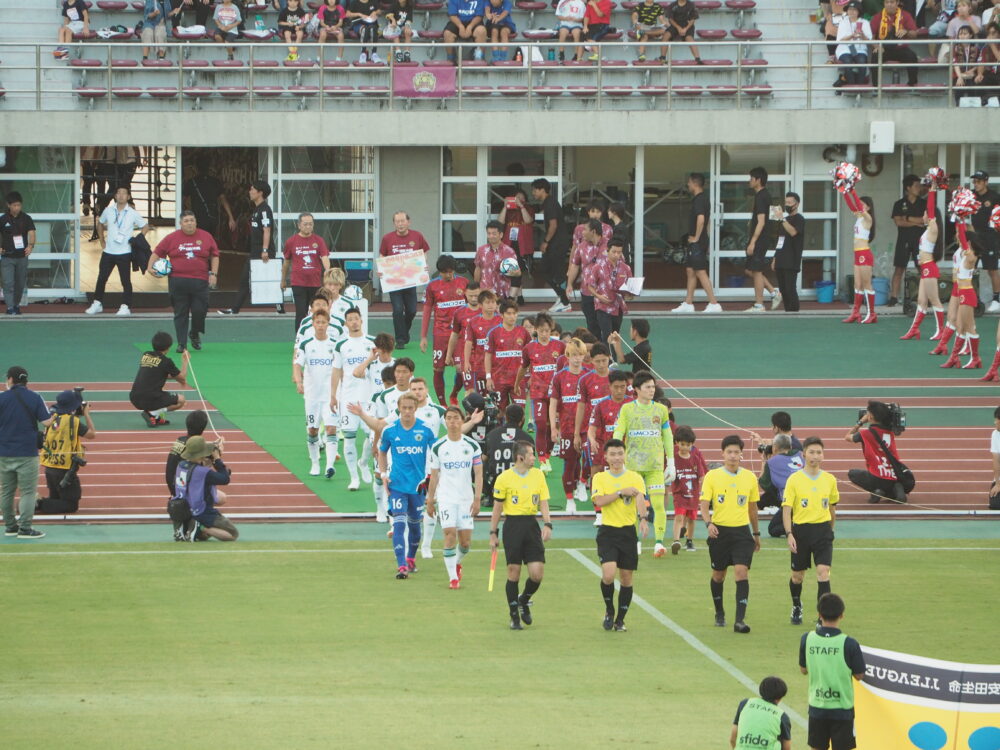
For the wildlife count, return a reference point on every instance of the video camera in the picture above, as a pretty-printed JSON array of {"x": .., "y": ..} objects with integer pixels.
[
  {"x": 83, "y": 404},
  {"x": 490, "y": 406},
  {"x": 896, "y": 422}
]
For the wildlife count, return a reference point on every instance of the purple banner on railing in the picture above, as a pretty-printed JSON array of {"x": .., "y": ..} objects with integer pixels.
[{"x": 423, "y": 83}]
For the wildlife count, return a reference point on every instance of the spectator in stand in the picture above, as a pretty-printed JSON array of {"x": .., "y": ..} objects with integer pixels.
[
  {"x": 488, "y": 259},
  {"x": 787, "y": 261},
  {"x": 400, "y": 27},
  {"x": 204, "y": 195},
  {"x": 202, "y": 10},
  {"x": 963, "y": 17},
  {"x": 292, "y": 21},
  {"x": 465, "y": 24},
  {"x": 832, "y": 16},
  {"x": 363, "y": 15},
  {"x": 331, "y": 24},
  {"x": 309, "y": 258},
  {"x": 620, "y": 229},
  {"x": 681, "y": 17},
  {"x": 569, "y": 14},
  {"x": 990, "y": 240},
  {"x": 518, "y": 218},
  {"x": 649, "y": 24},
  {"x": 697, "y": 247},
  {"x": 115, "y": 231},
  {"x": 991, "y": 14},
  {"x": 989, "y": 75},
  {"x": 908, "y": 215},
  {"x": 499, "y": 27},
  {"x": 227, "y": 18},
  {"x": 17, "y": 241},
  {"x": 404, "y": 301},
  {"x": 944, "y": 11},
  {"x": 893, "y": 23},
  {"x": 965, "y": 65},
  {"x": 195, "y": 259},
  {"x": 154, "y": 26},
  {"x": 852, "y": 50},
  {"x": 555, "y": 243},
  {"x": 596, "y": 24},
  {"x": 76, "y": 20}
]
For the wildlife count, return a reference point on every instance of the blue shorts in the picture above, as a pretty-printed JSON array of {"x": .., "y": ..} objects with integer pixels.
[{"x": 406, "y": 503}]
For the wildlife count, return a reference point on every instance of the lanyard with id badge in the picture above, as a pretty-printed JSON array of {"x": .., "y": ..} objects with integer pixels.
[{"x": 120, "y": 236}]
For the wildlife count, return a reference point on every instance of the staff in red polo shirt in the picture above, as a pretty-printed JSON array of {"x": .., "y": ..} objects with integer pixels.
[
  {"x": 194, "y": 258},
  {"x": 404, "y": 301},
  {"x": 309, "y": 258}
]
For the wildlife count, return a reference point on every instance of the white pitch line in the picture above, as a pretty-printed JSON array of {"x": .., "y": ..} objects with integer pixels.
[{"x": 691, "y": 640}]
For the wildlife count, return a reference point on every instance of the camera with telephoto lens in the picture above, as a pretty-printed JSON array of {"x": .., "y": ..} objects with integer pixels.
[
  {"x": 765, "y": 449},
  {"x": 83, "y": 404},
  {"x": 75, "y": 463},
  {"x": 896, "y": 423}
]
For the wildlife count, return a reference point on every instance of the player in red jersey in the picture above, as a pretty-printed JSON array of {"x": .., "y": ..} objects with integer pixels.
[
  {"x": 563, "y": 397},
  {"x": 594, "y": 387},
  {"x": 604, "y": 415},
  {"x": 445, "y": 295},
  {"x": 686, "y": 489},
  {"x": 538, "y": 364},
  {"x": 456, "y": 342},
  {"x": 476, "y": 330},
  {"x": 504, "y": 350}
]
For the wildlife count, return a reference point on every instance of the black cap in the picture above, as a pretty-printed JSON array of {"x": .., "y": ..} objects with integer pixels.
[
  {"x": 980, "y": 175},
  {"x": 18, "y": 374}
]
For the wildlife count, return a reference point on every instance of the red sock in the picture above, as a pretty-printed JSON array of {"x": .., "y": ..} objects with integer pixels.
[{"x": 439, "y": 385}]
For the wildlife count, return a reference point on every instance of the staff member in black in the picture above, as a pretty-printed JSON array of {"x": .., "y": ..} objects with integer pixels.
[
  {"x": 787, "y": 261},
  {"x": 989, "y": 239},
  {"x": 759, "y": 241},
  {"x": 261, "y": 242},
  {"x": 908, "y": 215},
  {"x": 697, "y": 246},
  {"x": 555, "y": 243},
  {"x": 204, "y": 195},
  {"x": 17, "y": 240}
]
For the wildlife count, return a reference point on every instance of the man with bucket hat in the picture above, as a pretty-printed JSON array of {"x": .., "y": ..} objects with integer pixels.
[
  {"x": 62, "y": 453},
  {"x": 199, "y": 475}
]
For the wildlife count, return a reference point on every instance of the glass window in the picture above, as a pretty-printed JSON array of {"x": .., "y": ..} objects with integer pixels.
[
  {"x": 459, "y": 237},
  {"x": 459, "y": 198},
  {"x": 816, "y": 269},
  {"x": 918, "y": 158},
  {"x": 741, "y": 159},
  {"x": 42, "y": 196},
  {"x": 54, "y": 237},
  {"x": 737, "y": 197},
  {"x": 986, "y": 157},
  {"x": 37, "y": 160},
  {"x": 818, "y": 197},
  {"x": 327, "y": 196},
  {"x": 328, "y": 160},
  {"x": 50, "y": 274},
  {"x": 459, "y": 161},
  {"x": 821, "y": 234},
  {"x": 518, "y": 161}
]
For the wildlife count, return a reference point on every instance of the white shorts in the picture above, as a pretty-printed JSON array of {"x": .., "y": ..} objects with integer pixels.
[
  {"x": 455, "y": 514},
  {"x": 76, "y": 27},
  {"x": 318, "y": 412},
  {"x": 349, "y": 422}
]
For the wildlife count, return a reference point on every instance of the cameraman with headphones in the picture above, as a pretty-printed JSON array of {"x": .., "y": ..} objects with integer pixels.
[
  {"x": 875, "y": 431},
  {"x": 62, "y": 453}
]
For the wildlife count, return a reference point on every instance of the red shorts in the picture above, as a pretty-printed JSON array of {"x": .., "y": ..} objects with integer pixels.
[
  {"x": 540, "y": 411},
  {"x": 683, "y": 503},
  {"x": 685, "y": 512},
  {"x": 863, "y": 258},
  {"x": 930, "y": 270},
  {"x": 474, "y": 381},
  {"x": 967, "y": 296},
  {"x": 440, "y": 350}
]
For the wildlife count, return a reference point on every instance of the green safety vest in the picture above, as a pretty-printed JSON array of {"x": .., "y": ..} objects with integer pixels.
[
  {"x": 759, "y": 726},
  {"x": 830, "y": 682}
]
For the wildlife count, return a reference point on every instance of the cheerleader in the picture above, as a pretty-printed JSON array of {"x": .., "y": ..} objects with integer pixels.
[
  {"x": 992, "y": 375},
  {"x": 928, "y": 299},
  {"x": 864, "y": 233},
  {"x": 967, "y": 340}
]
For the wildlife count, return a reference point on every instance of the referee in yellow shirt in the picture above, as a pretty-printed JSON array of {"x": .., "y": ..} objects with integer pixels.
[
  {"x": 522, "y": 493},
  {"x": 808, "y": 512},
  {"x": 731, "y": 494},
  {"x": 620, "y": 494}
]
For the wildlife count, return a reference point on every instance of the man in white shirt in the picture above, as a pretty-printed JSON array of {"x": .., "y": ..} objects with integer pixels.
[{"x": 114, "y": 230}]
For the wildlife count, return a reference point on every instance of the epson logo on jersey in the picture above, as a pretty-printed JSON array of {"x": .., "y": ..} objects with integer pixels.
[
  {"x": 507, "y": 354},
  {"x": 354, "y": 360},
  {"x": 320, "y": 362},
  {"x": 757, "y": 740},
  {"x": 409, "y": 450},
  {"x": 456, "y": 465}
]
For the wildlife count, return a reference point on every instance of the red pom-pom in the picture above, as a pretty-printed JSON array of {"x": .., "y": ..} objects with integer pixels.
[{"x": 964, "y": 204}]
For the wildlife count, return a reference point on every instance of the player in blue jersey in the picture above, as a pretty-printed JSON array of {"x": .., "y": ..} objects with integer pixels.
[{"x": 408, "y": 441}]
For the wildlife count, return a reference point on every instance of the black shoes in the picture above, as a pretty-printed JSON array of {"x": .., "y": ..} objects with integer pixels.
[
  {"x": 620, "y": 627},
  {"x": 515, "y": 624},
  {"x": 720, "y": 620},
  {"x": 11, "y": 530},
  {"x": 796, "y": 618},
  {"x": 741, "y": 627},
  {"x": 608, "y": 624},
  {"x": 525, "y": 611},
  {"x": 196, "y": 342}
]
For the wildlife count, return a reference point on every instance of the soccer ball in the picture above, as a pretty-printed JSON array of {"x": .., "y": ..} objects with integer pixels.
[
  {"x": 508, "y": 266},
  {"x": 162, "y": 267},
  {"x": 353, "y": 293}
]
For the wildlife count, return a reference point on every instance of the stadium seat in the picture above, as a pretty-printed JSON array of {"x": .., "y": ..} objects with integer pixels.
[
  {"x": 198, "y": 92},
  {"x": 368, "y": 64},
  {"x": 710, "y": 33},
  {"x": 706, "y": 5},
  {"x": 427, "y": 7},
  {"x": 126, "y": 92},
  {"x": 338, "y": 90},
  {"x": 3, "y": 92},
  {"x": 91, "y": 94},
  {"x": 162, "y": 92},
  {"x": 299, "y": 63},
  {"x": 652, "y": 91},
  {"x": 303, "y": 90},
  {"x": 477, "y": 91},
  {"x": 721, "y": 90},
  {"x": 336, "y": 64},
  {"x": 112, "y": 5},
  {"x": 84, "y": 62},
  {"x": 194, "y": 63},
  {"x": 617, "y": 91},
  {"x": 268, "y": 91},
  {"x": 448, "y": 64},
  {"x": 138, "y": 5},
  {"x": 374, "y": 90},
  {"x": 257, "y": 7},
  {"x": 124, "y": 63},
  {"x": 687, "y": 90},
  {"x": 530, "y": 6},
  {"x": 186, "y": 36},
  {"x": 582, "y": 91},
  {"x": 548, "y": 90},
  {"x": 512, "y": 90},
  {"x": 538, "y": 35},
  {"x": 741, "y": 7},
  {"x": 577, "y": 64},
  {"x": 232, "y": 92},
  {"x": 84, "y": 37},
  {"x": 156, "y": 63},
  {"x": 265, "y": 64},
  {"x": 654, "y": 63},
  {"x": 431, "y": 35},
  {"x": 744, "y": 34},
  {"x": 227, "y": 63}
]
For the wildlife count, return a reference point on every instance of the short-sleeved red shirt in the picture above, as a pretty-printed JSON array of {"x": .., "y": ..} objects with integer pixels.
[
  {"x": 564, "y": 389},
  {"x": 506, "y": 350},
  {"x": 445, "y": 298},
  {"x": 539, "y": 362},
  {"x": 604, "y": 416},
  {"x": 395, "y": 243},
  {"x": 593, "y": 390},
  {"x": 305, "y": 254},
  {"x": 476, "y": 331},
  {"x": 190, "y": 254},
  {"x": 459, "y": 323},
  {"x": 687, "y": 486}
]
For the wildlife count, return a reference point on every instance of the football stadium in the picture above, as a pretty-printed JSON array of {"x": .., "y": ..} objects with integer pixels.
[{"x": 500, "y": 373}]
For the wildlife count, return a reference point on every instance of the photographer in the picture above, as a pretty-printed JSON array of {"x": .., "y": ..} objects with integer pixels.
[
  {"x": 499, "y": 452},
  {"x": 62, "y": 453},
  {"x": 481, "y": 426},
  {"x": 995, "y": 456},
  {"x": 874, "y": 430},
  {"x": 199, "y": 475},
  {"x": 781, "y": 424},
  {"x": 784, "y": 461}
]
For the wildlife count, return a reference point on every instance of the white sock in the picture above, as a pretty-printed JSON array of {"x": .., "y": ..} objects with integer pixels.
[
  {"x": 451, "y": 563},
  {"x": 351, "y": 455},
  {"x": 313, "y": 444},
  {"x": 366, "y": 452},
  {"x": 381, "y": 501},
  {"x": 430, "y": 523},
  {"x": 331, "y": 450},
  {"x": 462, "y": 552}
]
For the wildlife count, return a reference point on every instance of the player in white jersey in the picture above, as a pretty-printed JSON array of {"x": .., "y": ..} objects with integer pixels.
[
  {"x": 428, "y": 412},
  {"x": 456, "y": 464},
  {"x": 346, "y": 387},
  {"x": 311, "y": 373}
]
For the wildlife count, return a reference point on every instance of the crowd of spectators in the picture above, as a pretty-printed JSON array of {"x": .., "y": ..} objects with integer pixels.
[{"x": 851, "y": 27}]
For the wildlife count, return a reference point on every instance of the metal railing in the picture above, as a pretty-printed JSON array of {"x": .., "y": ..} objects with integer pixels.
[{"x": 734, "y": 74}]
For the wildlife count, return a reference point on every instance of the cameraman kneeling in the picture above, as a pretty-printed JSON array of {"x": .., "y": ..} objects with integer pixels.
[
  {"x": 199, "y": 475},
  {"x": 874, "y": 432},
  {"x": 784, "y": 461},
  {"x": 62, "y": 454}
]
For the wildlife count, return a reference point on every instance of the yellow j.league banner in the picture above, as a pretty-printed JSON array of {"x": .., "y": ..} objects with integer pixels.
[{"x": 912, "y": 703}]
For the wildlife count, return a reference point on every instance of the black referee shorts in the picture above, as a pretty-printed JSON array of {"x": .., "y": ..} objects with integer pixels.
[
  {"x": 837, "y": 734},
  {"x": 733, "y": 546},
  {"x": 617, "y": 544},
  {"x": 814, "y": 542},
  {"x": 522, "y": 540}
]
